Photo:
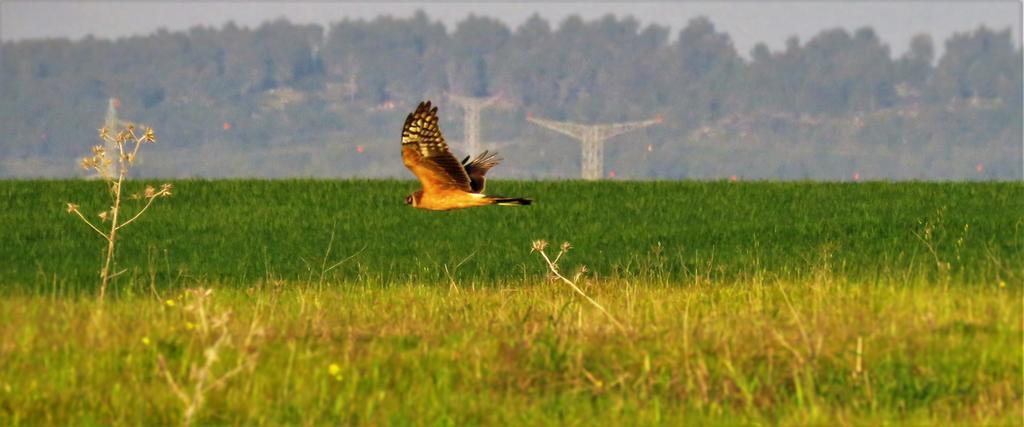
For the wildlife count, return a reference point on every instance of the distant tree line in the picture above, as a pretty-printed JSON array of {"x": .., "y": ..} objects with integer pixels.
[{"x": 300, "y": 100}]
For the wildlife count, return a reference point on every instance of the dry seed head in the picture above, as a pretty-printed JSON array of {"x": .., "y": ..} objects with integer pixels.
[
  {"x": 149, "y": 137},
  {"x": 566, "y": 246},
  {"x": 72, "y": 208},
  {"x": 150, "y": 191},
  {"x": 579, "y": 273},
  {"x": 103, "y": 216},
  {"x": 123, "y": 136},
  {"x": 166, "y": 190},
  {"x": 104, "y": 133},
  {"x": 539, "y": 245}
]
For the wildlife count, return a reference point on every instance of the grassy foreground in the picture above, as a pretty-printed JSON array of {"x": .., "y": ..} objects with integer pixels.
[
  {"x": 820, "y": 352},
  {"x": 749, "y": 303}
]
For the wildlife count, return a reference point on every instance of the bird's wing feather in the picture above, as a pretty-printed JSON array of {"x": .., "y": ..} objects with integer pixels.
[
  {"x": 426, "y": 154},
  {"x": 477, "y": 168}
]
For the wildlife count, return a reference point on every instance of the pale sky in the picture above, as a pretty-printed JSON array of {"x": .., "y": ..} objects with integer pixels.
[{"x": 746, "y": 22}]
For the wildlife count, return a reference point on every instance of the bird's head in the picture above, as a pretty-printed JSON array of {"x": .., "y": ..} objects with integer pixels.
[{"x": 414, "y": 198}]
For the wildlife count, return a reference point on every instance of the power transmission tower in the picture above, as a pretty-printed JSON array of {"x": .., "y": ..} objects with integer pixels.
[
  {"x": 351, "y": 86},
  {"x": 111, "y": 122},
  {"x": 592, "y": 138},
  {"x": 471, "y": 107}
]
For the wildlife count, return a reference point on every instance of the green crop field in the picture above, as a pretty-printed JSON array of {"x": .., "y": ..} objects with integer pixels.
[
  {"x": 334, "y": 303},
  {"x": 236, "y": 232}
]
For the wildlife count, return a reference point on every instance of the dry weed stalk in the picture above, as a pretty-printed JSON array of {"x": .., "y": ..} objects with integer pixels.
[
  {"x": 127, "y": 144},
  {"x": 540, "y": 245},
  {"x": 211, "y": 328}
]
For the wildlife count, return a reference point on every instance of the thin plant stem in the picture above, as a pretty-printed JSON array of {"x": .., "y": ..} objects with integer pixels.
[
  {"x": 554, "y": 270},
  {"x": 112, "y": 237},
  {"x": 148, "y": 203},
  {"x": 90, "y": 224},
  {"x": 100, "y": 162}
]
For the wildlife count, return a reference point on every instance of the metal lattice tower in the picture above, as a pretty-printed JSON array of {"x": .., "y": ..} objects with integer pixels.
[
  {"x": 471, "y": 107},
  {"x": 592, "y": 138},
  {"x": 115, "y": 124},
  {"x": 111, "y": 122}
]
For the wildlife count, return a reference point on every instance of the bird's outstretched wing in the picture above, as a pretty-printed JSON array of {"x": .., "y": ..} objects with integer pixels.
[
  {"x": 477, "y": 168},
  {"x": 426, "y": 154}
]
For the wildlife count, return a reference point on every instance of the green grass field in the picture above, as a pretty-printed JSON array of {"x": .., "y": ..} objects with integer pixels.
[
  {"x": 743, "y": 303},
  {"x": 238, "y": 232}
]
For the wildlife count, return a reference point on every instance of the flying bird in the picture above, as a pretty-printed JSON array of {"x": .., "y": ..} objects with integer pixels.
[{"x": 447, "y": 183}]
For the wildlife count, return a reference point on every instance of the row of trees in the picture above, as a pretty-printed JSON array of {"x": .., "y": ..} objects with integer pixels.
[{"x": 297, "y": 100}]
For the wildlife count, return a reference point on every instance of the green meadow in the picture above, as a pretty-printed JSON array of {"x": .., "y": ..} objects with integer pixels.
[
  {"x": 332, "y": 302},
  {"x": 235, "y": 232}
]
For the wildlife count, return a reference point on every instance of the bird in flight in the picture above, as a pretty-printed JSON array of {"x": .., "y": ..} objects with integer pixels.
[{"x": 447, "y": 183}]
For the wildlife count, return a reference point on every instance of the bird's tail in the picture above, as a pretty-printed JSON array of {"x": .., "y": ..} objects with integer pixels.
[{"x": 509, "y": 201}]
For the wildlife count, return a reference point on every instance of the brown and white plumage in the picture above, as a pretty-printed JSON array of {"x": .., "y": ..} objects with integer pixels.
[{"x": 447, "y": 183}]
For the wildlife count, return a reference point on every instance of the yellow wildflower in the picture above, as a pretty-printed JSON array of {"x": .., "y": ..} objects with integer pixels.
[
  {"x": 334, "y": 369},
  {"x": 169, "y": 302},
  {"x": 145, "y": 341}
]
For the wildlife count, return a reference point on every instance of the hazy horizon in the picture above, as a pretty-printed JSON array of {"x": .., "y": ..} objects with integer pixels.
[
  {"x": 290, "y": 100},
  {"x": 746, "y": 23}
]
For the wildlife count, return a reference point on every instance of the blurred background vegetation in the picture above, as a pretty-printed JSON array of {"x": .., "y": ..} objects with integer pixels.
[{"x": 287, "y": 100}]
